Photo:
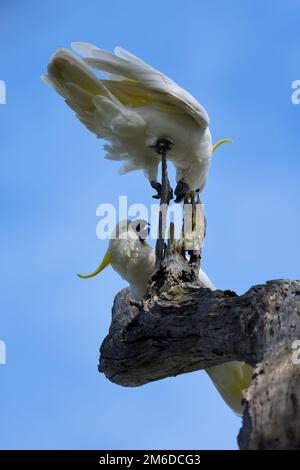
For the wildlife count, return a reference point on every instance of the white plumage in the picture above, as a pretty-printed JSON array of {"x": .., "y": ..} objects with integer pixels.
[
  {"x": 132, "y": 109},
  {"x": 131, "y": 257},
  {"x": 134, "y": 260}
]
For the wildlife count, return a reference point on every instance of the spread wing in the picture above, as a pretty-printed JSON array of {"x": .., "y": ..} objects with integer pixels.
[{"x": 137, "y": 83}]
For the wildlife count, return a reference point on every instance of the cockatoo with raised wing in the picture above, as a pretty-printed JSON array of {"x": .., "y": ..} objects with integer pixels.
[
  {"x": 132, "y": 109},
  {"x": 134, "y": 260}
]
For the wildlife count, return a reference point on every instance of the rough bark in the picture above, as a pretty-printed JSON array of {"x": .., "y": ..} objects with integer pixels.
[{"x": 181, "y": 327}]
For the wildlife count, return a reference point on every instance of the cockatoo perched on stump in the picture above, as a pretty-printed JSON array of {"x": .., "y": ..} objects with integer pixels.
[
  {"x": 134, "y": 260},
  {"x": 134, "y": 108}
]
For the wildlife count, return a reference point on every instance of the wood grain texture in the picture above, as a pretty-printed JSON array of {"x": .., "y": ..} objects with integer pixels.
[{"x": 181, "y": 327}]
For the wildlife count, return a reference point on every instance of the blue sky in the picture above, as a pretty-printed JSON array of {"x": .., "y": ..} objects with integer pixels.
[{"x": 239, "y": 59}]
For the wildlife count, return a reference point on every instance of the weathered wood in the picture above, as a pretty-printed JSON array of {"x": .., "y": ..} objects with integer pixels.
[
  {"x": 272, "y": 416},
  {"x": 181, "y": 327}
]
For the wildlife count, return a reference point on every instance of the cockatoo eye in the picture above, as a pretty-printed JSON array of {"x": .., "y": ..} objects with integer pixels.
[{"x": 141, "y": 228}]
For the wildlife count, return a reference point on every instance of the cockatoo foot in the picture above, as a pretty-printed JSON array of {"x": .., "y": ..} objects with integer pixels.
[
  {"x": 156, "y": 185},
  {"x": 181, "y": 191}
]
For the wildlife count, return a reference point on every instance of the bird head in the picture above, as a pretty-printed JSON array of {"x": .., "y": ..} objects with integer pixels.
[
  {"x": 141, "y": 227},
  {"x": 127, "y": 241}
]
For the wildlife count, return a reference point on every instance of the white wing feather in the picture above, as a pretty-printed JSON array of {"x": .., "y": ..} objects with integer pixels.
[
  {"x": 132, "y": 109},
  {"x": 129, "y": 67}
]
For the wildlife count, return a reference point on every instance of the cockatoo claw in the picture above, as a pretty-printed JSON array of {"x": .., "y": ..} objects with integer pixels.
[
  {"x": 156, "y": 185},
  {"x": 170, "y": 194},
  {"x": 182, "y": 189}
]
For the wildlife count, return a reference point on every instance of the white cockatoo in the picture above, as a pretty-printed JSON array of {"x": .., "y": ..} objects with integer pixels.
[
  {"x": 134, "y": 260},
  {"x": 132, "y": 110}
]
